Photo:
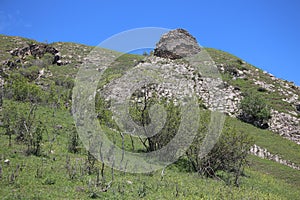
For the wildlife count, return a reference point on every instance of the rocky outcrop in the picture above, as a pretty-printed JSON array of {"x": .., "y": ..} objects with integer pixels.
[
  {"x": 285, "y": 125},
  {"x": 37, "y": 51},
  {"x": 180, "y": 80},
  {"x": 265, "y": 154},
  {"x": 177, "y": 44}
]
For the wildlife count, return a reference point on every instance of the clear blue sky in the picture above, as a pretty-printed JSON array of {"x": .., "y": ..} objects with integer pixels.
[{"x": 264, "y": 33}]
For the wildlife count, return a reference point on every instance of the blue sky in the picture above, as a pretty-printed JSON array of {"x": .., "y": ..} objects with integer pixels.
[{"x": 265, "y": 33}]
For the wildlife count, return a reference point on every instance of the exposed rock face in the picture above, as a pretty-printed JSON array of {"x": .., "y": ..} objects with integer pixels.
[
  {"x": 36, "y": 50},
  {"x": 286, "y": 125},
  {"x": 211, "y": 95},
  {"x": 176, "y": 44},
  {"x": 181, "y": 80}
]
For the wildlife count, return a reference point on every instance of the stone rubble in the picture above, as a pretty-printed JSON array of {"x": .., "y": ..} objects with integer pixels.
[
  {"x": 285, "y": 125},
  {"x": 180, "y": 80},
  {"x": 268, "y": 87},
  {"x": 265, "y": 154}
]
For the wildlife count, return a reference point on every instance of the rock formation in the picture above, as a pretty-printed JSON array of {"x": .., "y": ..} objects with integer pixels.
[
  {"x": 181, "y": 78},
  {"x": 177, "y": 44},
  {"x": 180, "y": 44},
  {"x": 36, "y": 50}
]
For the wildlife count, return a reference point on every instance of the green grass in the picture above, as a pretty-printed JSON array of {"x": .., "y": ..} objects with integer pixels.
[
  {"x": 47, "y": 177},
  {"x": 53, "y": 182},
  {"x": 277, "y": 170}
]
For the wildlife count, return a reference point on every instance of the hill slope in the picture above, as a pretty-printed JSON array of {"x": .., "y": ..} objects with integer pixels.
[{"x": 64, "y": 169}]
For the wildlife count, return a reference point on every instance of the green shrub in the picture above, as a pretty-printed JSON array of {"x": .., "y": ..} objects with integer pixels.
[
  {"x": 255, "y": 110},
  {"x": 48, "y": 59},
  {"x": 31, "y": 73},
  {"x": 73, "y": 141},
  {"x": 19, "y": 89},
  {"x": 139, "y": 112},
  {"x": 67, "y": 82},
  {"x": 228, "y": 157},
  {"x": 169, "y": 130},
  {"x": 58, "y": 97},
  {"x": 25, "y": 126}
]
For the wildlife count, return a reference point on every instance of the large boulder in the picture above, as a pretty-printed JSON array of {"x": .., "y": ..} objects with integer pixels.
[{"x": 177, "y": 44}]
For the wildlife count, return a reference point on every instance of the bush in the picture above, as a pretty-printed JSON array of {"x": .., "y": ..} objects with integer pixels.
[
  {"x": 67, "y": 82},
  {"x": 31, "y": 73},
  {"x": 25, "y": 126},
  {"x": 48, "y": 59},
  {"x": 58, "y": 97},
  {"x": 19, "y": 89},
  {"x": 228, "y": 156},
  {"x": 254, "y": 110}
]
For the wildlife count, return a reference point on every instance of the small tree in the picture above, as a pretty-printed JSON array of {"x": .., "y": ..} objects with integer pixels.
[
  {"x": 254, "y": 110},
  {"x": 140, "y": 113},
  {"x": 170, "y": 129},
  {"x": 73, "y": 142},
  {"x": 9, "y": 114},
  {"x": 35, "y": 140}
]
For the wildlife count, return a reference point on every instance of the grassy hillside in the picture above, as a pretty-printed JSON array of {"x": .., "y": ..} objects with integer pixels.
[{"x": 58, "y": 173}]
